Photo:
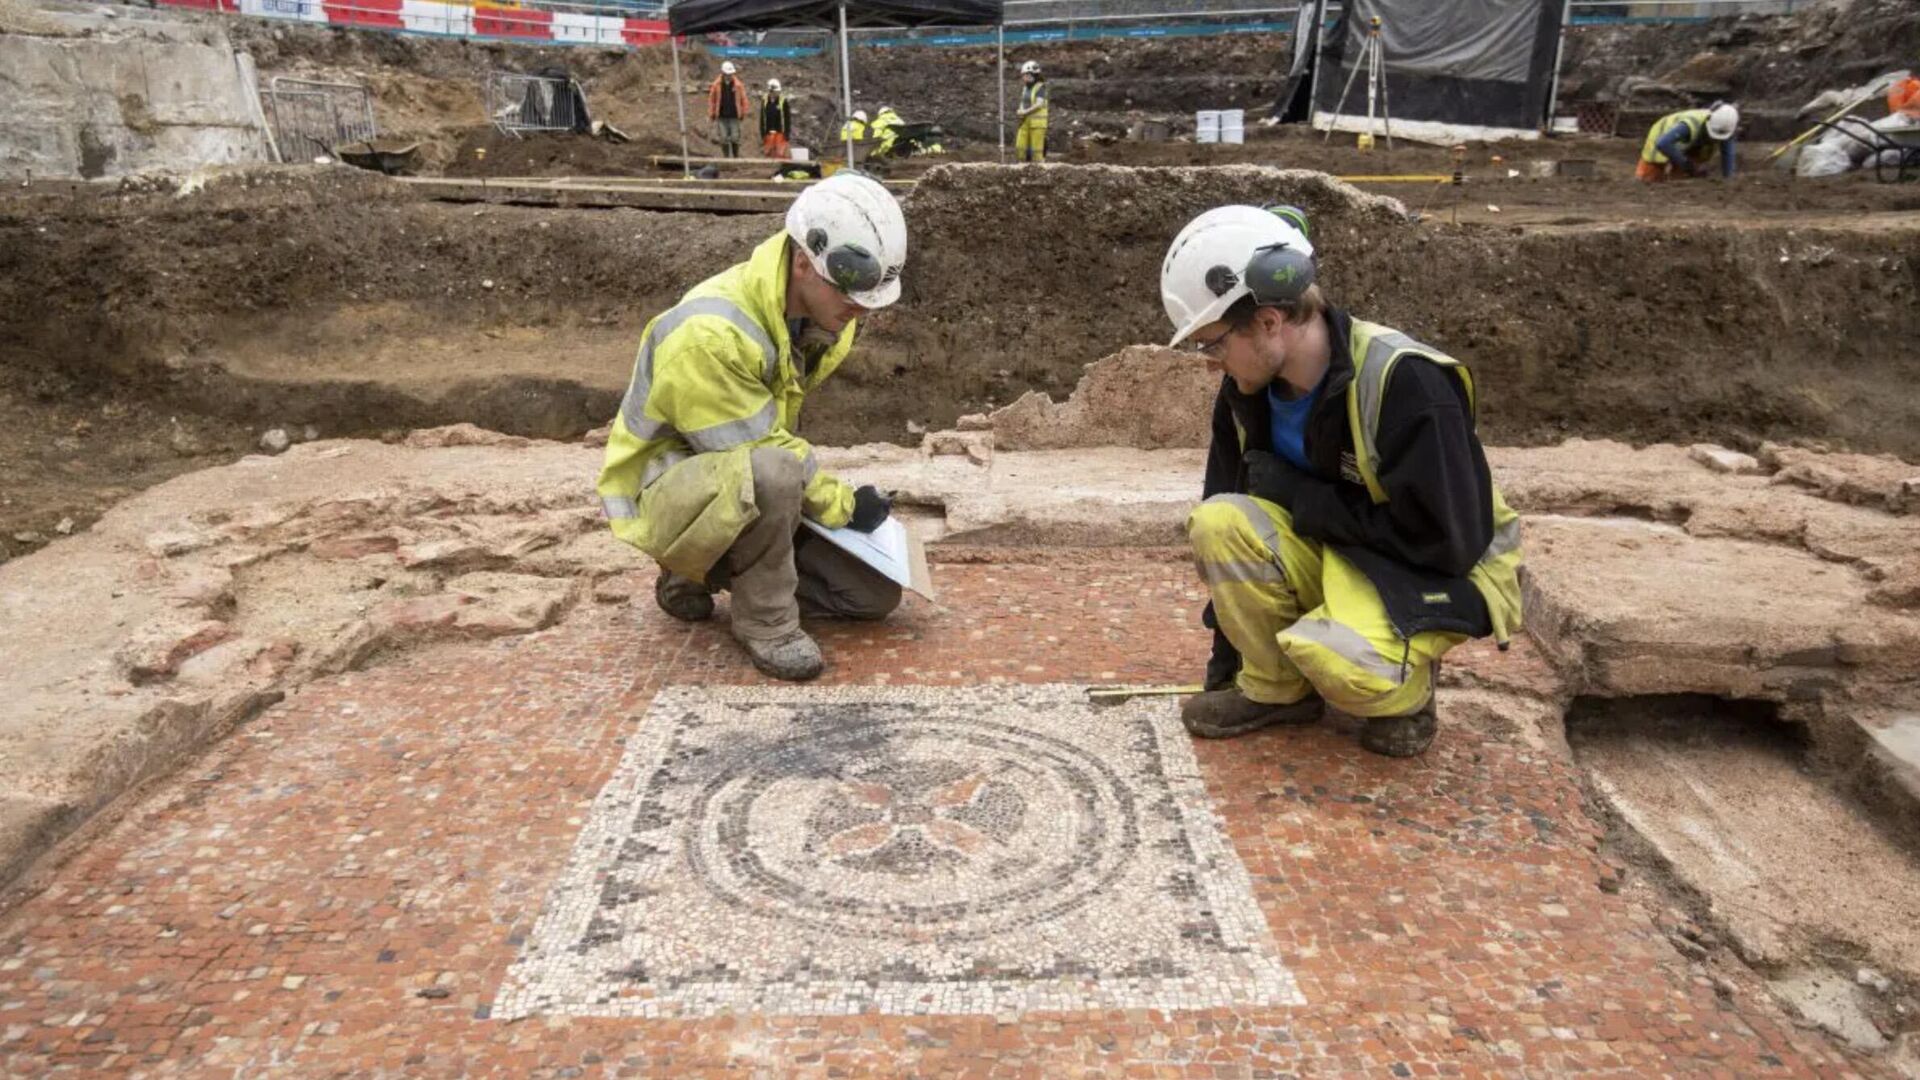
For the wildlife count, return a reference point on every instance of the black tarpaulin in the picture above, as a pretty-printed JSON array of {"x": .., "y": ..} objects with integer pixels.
[
  {"x": 713, "y": 16},
  {"x": 1461, "y": 63}
]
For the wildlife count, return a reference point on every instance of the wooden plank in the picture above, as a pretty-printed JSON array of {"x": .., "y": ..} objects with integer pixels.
[
  {"x": 658, "y": 181},
  {"x": 547, "y": 193}
]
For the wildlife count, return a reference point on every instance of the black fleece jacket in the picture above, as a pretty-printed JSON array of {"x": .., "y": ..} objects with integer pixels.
[{"x": 1438, "y": 518}]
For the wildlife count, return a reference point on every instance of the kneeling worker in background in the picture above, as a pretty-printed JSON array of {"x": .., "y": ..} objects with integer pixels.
[
  {"x": 1351, "y": 532},
  {"x": 704, "y": 471},
  {"x": 1686, "y": 140}
]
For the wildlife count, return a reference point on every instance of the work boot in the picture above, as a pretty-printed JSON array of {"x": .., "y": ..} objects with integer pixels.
[
  {"x": 1401, "y": 736},
  {"x": 683, "y": 598},
  {"x": 1223, "y": 714},
  {"x": 794, "y": 657}
]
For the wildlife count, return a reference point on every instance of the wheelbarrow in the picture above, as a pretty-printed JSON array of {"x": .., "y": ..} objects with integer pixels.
[
  {"x": 1895, "y": 154},
  {"x": 389, "y": 156}
]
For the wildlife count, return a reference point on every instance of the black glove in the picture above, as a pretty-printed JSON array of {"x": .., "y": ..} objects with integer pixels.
[
  {"x": 870, "y": 509},
  {"x": 1273, "y": 478}
]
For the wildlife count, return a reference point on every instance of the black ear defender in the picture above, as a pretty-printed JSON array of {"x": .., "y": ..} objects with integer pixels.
[
  {"x": 853, "y": 268},
  {"x": 1279, "y": 275}
]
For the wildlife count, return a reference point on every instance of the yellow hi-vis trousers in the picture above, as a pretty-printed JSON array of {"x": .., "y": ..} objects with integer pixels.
[
  {"x": 1030, "y": 140},
  {"x": 1303, "y": 617}
]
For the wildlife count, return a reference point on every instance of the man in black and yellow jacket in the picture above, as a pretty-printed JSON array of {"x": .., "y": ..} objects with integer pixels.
[{"x": 1351, "y": 532}]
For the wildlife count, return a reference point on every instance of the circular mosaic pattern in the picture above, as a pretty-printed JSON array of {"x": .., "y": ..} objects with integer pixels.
[{"x": 907, "y": 826}]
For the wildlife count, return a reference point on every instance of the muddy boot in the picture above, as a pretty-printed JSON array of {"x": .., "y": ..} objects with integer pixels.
[
  {"x": 683, "y": 598},
  {"x": 1222, "y": 714},
  {"x": 793, "y": 657},
  {"x": 1401, "y": 736}
]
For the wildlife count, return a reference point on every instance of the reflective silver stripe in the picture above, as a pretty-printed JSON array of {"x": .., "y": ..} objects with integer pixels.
[
  {"x": 660, "y": 465},
  {"x": 808, "y": 467},
  {"x": 734, "y": 432},
  {"x": 1370, "y": 382},
  {"x": 1506, "y": 538},
  {"x": 617, "y": 507},
  {"x": 633, "y": 409},
  {"x": 1262, "y": 524},
  {"x": 1347, "y": 643},
  {"x": 1218, "y": 572}
]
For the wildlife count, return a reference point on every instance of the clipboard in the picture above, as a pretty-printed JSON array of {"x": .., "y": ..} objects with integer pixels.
[{"x": 891, "y": 550}]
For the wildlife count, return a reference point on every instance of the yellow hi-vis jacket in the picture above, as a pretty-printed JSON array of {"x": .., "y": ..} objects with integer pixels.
[
  {"x": 1034, "y": 96},
  {"x": 1694, "y": 120},
  {"x": 1375, "y": 349},
  {"x": 715, "y": 378},
  {"x": 853, "y": 129},
  {"x": 884, "y": 124}
]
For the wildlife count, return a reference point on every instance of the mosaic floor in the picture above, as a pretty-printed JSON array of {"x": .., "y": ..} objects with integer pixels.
[
  {"x": 442, "y": 867},
  {"x": 906, "y": 851}
]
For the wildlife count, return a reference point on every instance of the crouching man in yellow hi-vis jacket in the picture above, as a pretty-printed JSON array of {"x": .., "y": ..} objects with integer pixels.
[
  {"x": 704, "y": 471},
  {"x": 1352, "y": 533}
]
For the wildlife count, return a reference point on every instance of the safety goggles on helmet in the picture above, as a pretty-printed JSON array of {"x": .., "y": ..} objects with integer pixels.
[{"x": 850, "y": 268}]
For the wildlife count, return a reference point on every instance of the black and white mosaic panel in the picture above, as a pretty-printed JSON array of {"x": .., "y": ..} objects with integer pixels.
[{"x": 899, "y": 850}]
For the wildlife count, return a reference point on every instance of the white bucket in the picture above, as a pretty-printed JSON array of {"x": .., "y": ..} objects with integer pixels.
[
  {"x": 1206, "y": 126},
  {"x": 799, "y": 153},
  {"x": 1233, "y": 126}
]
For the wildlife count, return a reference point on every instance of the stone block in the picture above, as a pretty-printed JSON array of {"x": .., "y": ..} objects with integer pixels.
[
  {"x": 354, "y": 547},
  {"x": 445, "y": 552},
  {"x": 460, "y": 435},
  {"x": 1721, "y": 459},
  {"x": 156, "y": 652}
]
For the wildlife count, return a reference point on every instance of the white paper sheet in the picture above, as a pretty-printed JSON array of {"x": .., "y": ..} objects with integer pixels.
[{"x": 891, "y": 550}]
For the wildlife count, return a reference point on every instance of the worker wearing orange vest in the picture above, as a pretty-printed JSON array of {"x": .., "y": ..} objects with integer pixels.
[{"x": 726, "y": 106}]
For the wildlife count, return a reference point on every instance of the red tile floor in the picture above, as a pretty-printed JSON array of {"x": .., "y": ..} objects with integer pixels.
[{"x": 340, "y": 888}]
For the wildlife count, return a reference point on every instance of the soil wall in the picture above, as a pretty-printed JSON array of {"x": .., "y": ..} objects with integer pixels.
[{"x": 348, "y": 303}]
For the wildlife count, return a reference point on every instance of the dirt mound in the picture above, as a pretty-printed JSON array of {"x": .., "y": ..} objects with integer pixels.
[
  {"x": 337, "y": 298},
  {"x": 1768, "y": 63},
  {"x": 1105, "y": 408}
]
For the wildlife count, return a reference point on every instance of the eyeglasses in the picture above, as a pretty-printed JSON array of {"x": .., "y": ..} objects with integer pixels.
[{"x": 1212, "y": 348}]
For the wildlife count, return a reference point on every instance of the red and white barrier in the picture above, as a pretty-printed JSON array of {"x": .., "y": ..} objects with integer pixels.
[{"x": 451, "y": 19}]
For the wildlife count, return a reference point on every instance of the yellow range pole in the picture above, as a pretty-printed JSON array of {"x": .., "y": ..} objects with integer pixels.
[{"x": 1812, "y": 131}]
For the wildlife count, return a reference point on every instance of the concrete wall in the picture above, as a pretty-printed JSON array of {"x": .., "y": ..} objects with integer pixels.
[{"x": 109, "y": 94}]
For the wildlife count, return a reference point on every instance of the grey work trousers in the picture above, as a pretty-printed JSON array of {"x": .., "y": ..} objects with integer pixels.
[
  {"x": 727, "y": 134},
  {"x": 776, "y": 576}
]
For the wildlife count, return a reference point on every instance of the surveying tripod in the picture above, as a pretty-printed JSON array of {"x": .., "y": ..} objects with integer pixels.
[{"x": 1369, "y": 60}]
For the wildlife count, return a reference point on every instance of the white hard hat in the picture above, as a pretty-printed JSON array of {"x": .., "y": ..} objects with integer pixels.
[
  {"x": 860, "y": 115},
  {"x": 855, "y": 234},
  {"x": 1031, "y": 67},
  {"x": 1205, "y": 269},
  {"x": 773, "y": 84},
  {"x": 727, "y": 68},
  {"x": 1722, "y": 119}
]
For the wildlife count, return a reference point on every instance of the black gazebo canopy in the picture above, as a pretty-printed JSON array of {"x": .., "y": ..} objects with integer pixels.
[{"x": 711, "y": 16}]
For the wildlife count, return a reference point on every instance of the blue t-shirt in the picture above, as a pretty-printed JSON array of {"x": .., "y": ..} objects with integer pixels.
[{"x": 1289, "y": 425}]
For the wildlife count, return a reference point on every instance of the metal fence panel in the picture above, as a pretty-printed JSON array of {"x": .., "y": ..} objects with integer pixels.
[
  {"x": 311, "y": 117},
  {"x": 521, "y": 103}
]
